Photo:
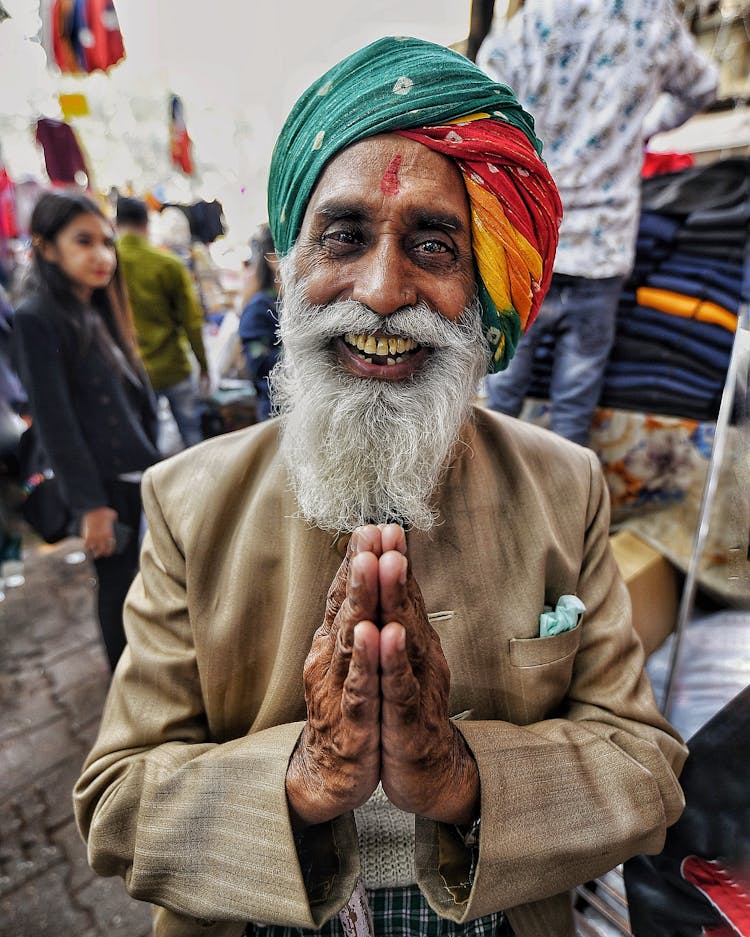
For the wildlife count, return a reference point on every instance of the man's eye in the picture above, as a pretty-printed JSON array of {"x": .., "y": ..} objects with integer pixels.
[
  {"x": 435, "y": 246},
  {"x": 341, "y": 236}
]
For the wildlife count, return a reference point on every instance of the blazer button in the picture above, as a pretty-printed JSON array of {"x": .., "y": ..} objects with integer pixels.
[
  {"x": 105, "y": 398},
  {"x": 115, "y": 443}
]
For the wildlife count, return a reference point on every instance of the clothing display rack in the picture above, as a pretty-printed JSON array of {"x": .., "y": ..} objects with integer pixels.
[{"x": 603, "y": 906}]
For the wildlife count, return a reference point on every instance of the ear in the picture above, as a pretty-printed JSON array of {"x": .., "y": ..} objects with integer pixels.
[{"x": 48, "y": 251}]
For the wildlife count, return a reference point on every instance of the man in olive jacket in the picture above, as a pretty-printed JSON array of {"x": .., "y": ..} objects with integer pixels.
[
  {"x": 168, "y": 317},
  {"x": 379, "y": 647}
]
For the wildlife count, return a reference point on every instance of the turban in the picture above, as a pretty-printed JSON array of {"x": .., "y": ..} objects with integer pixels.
[{"x": 434, "y": 95}]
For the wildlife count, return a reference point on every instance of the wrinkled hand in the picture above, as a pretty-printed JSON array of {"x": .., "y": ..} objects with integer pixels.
[
  {"x": 98, "y": 531},
  {"x": 376, "y": 687}
]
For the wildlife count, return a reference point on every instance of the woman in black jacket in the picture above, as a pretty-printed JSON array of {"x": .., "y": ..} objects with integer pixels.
[{"x": 90, "y": 399}]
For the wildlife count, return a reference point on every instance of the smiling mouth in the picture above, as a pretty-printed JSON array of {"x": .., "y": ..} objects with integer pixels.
[{"x": 384, "y": 350}]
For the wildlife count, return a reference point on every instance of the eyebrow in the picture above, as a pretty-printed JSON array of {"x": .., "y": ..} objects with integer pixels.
[{"x": 337, "y": 209}]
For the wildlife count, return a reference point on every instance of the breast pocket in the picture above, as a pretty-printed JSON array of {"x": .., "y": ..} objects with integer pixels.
[{"x": 541, "y": 670}]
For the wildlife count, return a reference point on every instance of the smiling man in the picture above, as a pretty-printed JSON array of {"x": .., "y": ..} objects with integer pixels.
[{"x": 381, "y": 674}]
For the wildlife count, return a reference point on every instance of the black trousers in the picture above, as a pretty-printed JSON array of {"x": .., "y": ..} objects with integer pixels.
[{"x": 115, "y": 573}]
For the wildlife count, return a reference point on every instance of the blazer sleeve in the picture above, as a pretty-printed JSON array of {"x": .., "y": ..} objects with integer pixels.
[
  {"x": 196, "y": 826},
  {"x": 568, "y": 798},
  {"x": 43, "y": 371}
]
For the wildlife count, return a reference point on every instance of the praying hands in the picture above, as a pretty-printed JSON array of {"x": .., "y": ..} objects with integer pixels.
[{"x": 376, "y": 687}]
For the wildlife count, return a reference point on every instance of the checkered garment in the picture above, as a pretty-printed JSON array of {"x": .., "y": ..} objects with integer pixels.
[{"x": 398, "y": 912}]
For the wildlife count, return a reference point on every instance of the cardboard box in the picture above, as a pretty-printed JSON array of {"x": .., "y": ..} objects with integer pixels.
[{"x": 653, "y": 585}]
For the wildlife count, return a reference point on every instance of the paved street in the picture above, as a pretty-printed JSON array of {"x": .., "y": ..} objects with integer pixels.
[{"x": 53, "y": 680}]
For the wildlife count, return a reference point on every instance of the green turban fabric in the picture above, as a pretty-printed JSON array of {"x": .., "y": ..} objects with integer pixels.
[{"x": 405, "y": 85}]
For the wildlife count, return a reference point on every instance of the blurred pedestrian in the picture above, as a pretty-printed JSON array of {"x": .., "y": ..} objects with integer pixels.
[
  {"x": 258, "y": 323},
  {"x": 167, "y": 317},
  {"x": 601, "y": 77},
  {"x": 91, "y": 403}
]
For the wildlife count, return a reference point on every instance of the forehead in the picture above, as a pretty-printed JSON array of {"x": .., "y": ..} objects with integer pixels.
[
  {"x": 90, "y": 224},
  {"x": 393, "y": 171}
]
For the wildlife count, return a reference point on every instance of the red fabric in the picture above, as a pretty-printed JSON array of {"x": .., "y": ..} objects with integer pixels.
[
  {"x": 500, "y": 158},
  {"x": 108, "y": 48},
  {"x": 180, "y": 143},
  {"x": 654, "y": 164},
  {"x": 62, "y": 48},
  {"x": 8, "y": 221},
  {"x": 726, "y": 891}
]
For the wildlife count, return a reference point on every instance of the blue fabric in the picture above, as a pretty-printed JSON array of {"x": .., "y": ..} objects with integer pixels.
[
  {"x": 645, "y": 330},
  {"x": 645, "y": 352},
  {"x": 581, "y": 314},
  {"x": 257, "y": 331},
  {"x": 732, "y": 285},
  {"x": 691, "y": 286},
  {"x": 183, "y": 402},
  {"x": 724, "y": 266},
  {"x": 657, "y": 226},
  {"x": 630, "y": 373},
  {"x": 680, "y": 328}
]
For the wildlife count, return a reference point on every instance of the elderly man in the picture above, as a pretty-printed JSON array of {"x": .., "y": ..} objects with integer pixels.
[{"x": 288, "y": 728}]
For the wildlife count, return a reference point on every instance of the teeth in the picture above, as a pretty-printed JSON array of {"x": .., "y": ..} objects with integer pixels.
[{"x": 387, "y": 348}]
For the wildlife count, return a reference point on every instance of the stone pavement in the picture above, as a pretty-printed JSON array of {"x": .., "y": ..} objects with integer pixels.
[{"x": 53, "y": 680}]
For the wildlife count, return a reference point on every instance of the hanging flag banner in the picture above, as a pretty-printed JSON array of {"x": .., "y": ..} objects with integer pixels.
[
  {"x": 83, "y": 35},
  {"x": 73, "y": 105},
  {"x": 180, "y": 144}
]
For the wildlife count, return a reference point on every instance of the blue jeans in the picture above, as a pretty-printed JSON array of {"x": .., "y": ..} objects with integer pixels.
[
  {"x": 581, "y": 313},
  {"x": 183, "y": 402}
]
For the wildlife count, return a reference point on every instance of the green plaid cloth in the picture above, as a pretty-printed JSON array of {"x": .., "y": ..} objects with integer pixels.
[{"x": 398, "y": 912}]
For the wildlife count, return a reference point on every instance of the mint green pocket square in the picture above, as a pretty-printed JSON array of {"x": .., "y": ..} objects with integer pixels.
[{"x": 564, "y": 617}]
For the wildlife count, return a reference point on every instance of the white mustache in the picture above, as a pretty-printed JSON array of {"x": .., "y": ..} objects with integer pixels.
[{"x": 321, "y": 324}]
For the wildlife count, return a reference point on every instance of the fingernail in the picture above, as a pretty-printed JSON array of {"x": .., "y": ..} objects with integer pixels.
[
  {"x": 359, "y": 641},
  {"x": 404, "y": 570},
  {"x": 401, "y": 642}
]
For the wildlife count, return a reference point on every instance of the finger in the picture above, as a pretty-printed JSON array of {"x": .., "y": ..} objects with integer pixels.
[
  {"x": 393, "y": 537},
  {"x": 398, "y": 684},
  {"x": 393, "y": 570},
  {"x": 360, "y": 604},
  {"x": 360, "y": 699},
  {"x": 365, "y": 539}
]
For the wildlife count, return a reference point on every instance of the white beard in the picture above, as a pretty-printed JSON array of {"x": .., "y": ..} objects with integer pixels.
[{"x": 362, "y": 451}]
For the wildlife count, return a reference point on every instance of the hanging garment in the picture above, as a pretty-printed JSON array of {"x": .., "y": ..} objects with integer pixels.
[
  {"x": 84, "y": 35},
  {"x": 64, "y": 54},
  {"x": 62, "y": 153},
  {"x": 106, "y": 47},
  {"x": 180, "y": 143},
  {"x": 8, "y": 221}
]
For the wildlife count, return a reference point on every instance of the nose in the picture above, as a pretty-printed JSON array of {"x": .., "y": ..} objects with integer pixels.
[
  {"x": 105, "y": 255},
  {"x": 383, "y": 280}
]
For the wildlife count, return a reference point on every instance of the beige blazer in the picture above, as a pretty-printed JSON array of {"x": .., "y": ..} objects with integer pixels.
[{"x": 183, "y": 792}]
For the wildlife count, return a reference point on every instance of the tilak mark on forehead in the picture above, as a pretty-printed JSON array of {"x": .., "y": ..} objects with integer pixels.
[{"x": 389, "y": 182}]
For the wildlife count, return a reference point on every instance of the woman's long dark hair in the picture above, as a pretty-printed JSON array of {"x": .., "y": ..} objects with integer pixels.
[{"x": 52, "y": 213}]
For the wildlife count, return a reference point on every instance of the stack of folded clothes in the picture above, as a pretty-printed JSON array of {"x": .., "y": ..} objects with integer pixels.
[{"x": 678, "y": 312}]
